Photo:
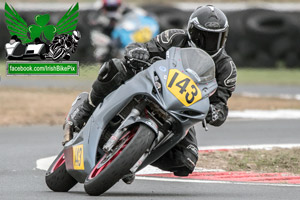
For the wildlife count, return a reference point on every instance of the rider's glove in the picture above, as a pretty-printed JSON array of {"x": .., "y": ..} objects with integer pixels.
[
  {"x": 213, "y": 114},
  {"x": 137, "y": 52}
]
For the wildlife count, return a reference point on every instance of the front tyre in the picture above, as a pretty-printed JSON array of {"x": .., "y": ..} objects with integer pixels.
[
  {"x": 58, "y": 53},
  {"x": 57, "y": 178},
  {"x": 113, "y": 166}
]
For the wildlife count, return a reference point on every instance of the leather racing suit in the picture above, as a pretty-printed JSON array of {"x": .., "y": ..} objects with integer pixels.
[{"x": 181, "y": 159}]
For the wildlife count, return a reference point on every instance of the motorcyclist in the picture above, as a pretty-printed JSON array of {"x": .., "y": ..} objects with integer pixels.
[
  {"x": 68, "y": 43},
  {"x": 102, "y": 22},
  {"x": 106, "y": 18},
  {"x": 207, "y": 29}
]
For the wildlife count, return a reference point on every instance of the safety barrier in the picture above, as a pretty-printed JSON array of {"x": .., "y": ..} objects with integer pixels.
[{"x": 258, "y": 37}]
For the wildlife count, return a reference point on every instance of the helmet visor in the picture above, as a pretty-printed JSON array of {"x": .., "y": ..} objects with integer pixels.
[{"x": 210, "y": 42}]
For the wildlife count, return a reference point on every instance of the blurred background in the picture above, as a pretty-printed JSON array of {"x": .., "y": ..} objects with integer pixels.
[{"x": 262, "y": 33}]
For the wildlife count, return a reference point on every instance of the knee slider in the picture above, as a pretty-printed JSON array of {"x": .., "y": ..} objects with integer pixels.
[
  {"x": 189, "y": 166},
  {"x": 191, "y": 156},
  {"x": 189, "y": 159}
]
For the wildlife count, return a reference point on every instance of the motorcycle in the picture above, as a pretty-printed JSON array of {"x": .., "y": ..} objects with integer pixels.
[
  {"x": 32, "y": 51},
  {"x": 61, "y": 47},
  {"x": 134, "y": 26},
  {"x": 138, "y": 122}
]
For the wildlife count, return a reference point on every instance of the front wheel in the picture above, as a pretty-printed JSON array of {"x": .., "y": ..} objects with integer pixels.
[
  {"x": 117, "y": 163},
  {"x": 57, "y": 178},
  {"x": 58, "y": 53}
]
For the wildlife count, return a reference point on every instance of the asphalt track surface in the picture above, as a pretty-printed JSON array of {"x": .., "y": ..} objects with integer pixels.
[
  {"x": 250, "y": 132},
  {"x": 20, "y": 147}
]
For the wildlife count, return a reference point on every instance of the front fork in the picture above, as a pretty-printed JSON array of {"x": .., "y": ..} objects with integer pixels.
[
  {"x": 133, "y": 118},
  {"x": 107, "y": 147},
  {"x": 160, "y": 139},
  {"x": 146, "y": 154}
]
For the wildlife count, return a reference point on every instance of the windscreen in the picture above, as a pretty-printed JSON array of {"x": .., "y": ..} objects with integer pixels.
[{"x": 199, "y": 62}]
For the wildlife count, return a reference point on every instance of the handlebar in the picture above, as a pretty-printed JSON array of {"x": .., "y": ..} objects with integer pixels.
[{"x": 131, "y": 61}]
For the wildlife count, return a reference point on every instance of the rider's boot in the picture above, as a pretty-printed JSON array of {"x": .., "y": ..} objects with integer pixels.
[
  {"x": 78, "y": 116},
  {"x": 111, "y": 75},
  {"x": 129, "y": 178}
]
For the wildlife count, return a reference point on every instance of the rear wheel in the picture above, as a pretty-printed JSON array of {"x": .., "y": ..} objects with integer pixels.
[
  {"x": 114, "y": 165},
  {"x": 57, "y": 177}
]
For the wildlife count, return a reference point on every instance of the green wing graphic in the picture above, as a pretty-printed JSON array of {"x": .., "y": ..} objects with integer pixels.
[
  {"x": 16, "y": 24},
  {"x": 68, "y": 23}
]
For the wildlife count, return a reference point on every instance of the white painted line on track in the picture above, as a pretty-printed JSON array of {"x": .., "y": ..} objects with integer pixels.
[
  {"x": 265, "y": 114},
  {"x": 154, "y": 170},
  {"x": 280, "y": 96},
  {"x": 258, "y": 146},
  {"x": 214, "y": 182},
  {"x": 44, "y": 163}
]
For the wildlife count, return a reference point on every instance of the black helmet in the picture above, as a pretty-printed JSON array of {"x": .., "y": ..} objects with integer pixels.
[{"x": 208, "y": 29}]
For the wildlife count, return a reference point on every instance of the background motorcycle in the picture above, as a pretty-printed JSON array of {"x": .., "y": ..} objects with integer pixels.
[
  {"x": 137, "y": 123},
  {"x": 15, "y": 50},
  {"x": 134, "y": 26}
]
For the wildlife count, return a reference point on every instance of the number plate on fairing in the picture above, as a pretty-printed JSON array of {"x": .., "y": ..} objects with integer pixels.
[
  {"x": 78, "y": 162},
  {"x": 183, "y": 87}
]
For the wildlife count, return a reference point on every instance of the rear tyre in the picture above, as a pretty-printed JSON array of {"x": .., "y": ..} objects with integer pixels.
[
  {"x": 114, "y": 166},
  {"x": 57, "y": 178}
]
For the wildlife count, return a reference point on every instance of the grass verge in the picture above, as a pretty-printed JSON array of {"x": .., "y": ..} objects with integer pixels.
[
  {"x": 266, "y": 161},
  {"x": 41, "y": 106},
  {"x": 269, "y": 76},
  {"x": 33, "y": 106}
]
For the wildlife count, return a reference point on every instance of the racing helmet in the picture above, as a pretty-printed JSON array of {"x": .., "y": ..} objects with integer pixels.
[
  {"x": 76, "y": 36},
  {"x": 111, "y": 5},
  {"x": 208, "y": 29}
]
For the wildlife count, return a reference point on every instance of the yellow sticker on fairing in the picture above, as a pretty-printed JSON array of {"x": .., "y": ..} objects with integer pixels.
[
  {"x": 183, "y": 87},
  {"x": 142, "y": 35},
  {"x": 78, "y": 162}
]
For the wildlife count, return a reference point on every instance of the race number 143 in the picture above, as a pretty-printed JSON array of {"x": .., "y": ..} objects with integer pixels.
[{"x": 183, "y": 87}]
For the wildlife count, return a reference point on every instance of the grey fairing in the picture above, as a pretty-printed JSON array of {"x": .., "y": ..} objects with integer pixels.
[{"x": 143, "y": 84}]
